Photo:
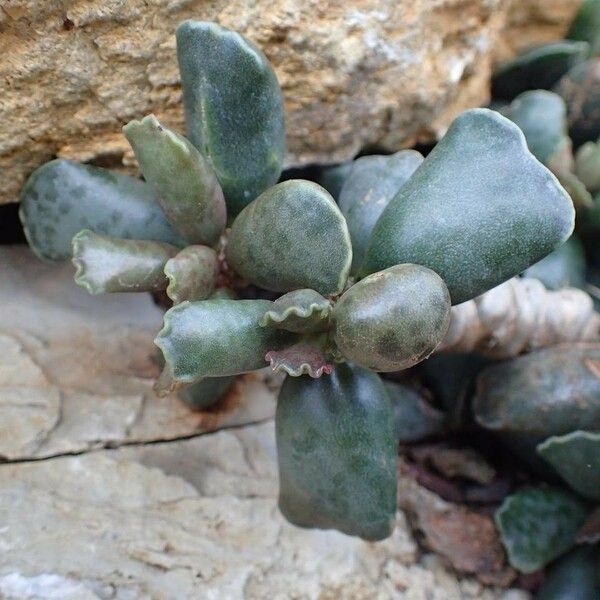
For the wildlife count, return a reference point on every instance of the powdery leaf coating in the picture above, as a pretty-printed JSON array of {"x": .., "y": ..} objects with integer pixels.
[
  {"x": 537, "y": 525},
  {"x": 393, "y": 319},
  {"x": 293, "y": 236},
  {"x": 233, "y": 109},
  {"x": 61, "y": 198},
  {"x": 337, "y": 453},
  {"x": 192, "y": 274},
  {"x": 186, "y": 186},
  {"x": 301, "y": 311},
  {"x": 576, "y": 458},
  {"x": 104, "y": 264},
  {"x": 479, "y": 210}
]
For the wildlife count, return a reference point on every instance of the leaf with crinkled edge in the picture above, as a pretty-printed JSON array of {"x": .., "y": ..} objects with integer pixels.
[
  {"x": 185, "y": 183},
  {"x": 576, "y": 458},
  {"x": 293, "y": 236},
  {"x": 538, "y": 525},
  {"x": 233, "y": 109},
  {"x": 104, "y": 264},
  {"x": 301, "y": 311},
  {"x": 479, "y": 210},
  {"x": 216, "y": 338},
  {"x": 307, "y": 357},
  {"x": 192, "y": 274}
]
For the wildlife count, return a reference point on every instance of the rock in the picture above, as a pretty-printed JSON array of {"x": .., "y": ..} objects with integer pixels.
[{"x": 354, "y": 75}]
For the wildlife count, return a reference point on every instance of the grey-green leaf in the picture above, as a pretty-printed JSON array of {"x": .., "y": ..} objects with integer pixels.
[
  {"x": 478, "y": 211},
  {"x": 576, "y": 457},
  {"x": 61, "y": 198},
  {"x": 537, "y": 525},
  {"x": 185, "y": 184},
  {"x": 192, "y": 274},
  {"x": 104, "y": 264},
  {"x": 233, "y": 109},
  {"x": 332, "y": 177},
  {"x": 586, "y": 25},
  {"x": 301, "y": 311},
  {"x": 207, "y": 392},
  {"x": 587, "y": 165},
  {"x": 337, "y": 453},
  {"x": 292, "y": 236}
]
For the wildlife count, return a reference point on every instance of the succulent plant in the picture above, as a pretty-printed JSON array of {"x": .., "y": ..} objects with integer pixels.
[{"x": 353, "y": 289}]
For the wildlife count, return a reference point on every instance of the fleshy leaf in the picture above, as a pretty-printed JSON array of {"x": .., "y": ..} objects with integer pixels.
[
  {"x": 61, "y": 198},
  {"x": 393, "y": 319},
  {"x": 549, "y": 392},
  {"x": 104, "y": 264},
  {"x": 206, "y": 393},
  {"x": 186, "y": 185},
  {"x": 587, "y": 165},
  {"x": 337, "y": 453},
  {"x": 293, "y": 236},
  {"x": 538, "y": 68},
  {"x": 332, "y": 177},
  {"x": 576, "y": 457},
  {"x": 301, "y": 311},
  {"x": 215, "y": 338},
  {"x": 538, "y": 525},
  {"x": 307, "y": 357},
  {"x": 367, "y": 190},
  {"x": 479, "y": 210},
  {"x": 233, "y": 109},
  {"x": 192, "y": 274},
  {"x": 586, "y": 25}
]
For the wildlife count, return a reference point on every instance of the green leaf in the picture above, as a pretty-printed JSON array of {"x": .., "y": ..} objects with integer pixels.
[
  {"x": 206, "y": 393},
  {"x": 186, "y": 186},
  {"x": 337, "y": 453},
  {"x": 587, "y": 165},
  {"x": 310, "y": 356},
  {"x": 393, "y": 319},
  {"x": 538, "y": 525},
  {"x": 372, "y": 182},
  {"x": 215, "y": 338},
  {"x": 61, "y": 198},
  {"x": 104, "y": 264},
  {"x": 576, "y": 458},
  {"x": 586, "y": 25},
  {"x": 549, "y": 392},
  {"x": 301, "y": 311},
  {"x": 293, "y": 236},
  {"x": 332, "y": 177},
  {"x": 192, "y": 274},
  {"x": 233, "y": 109},
  {"x": 478, "y": 211}
]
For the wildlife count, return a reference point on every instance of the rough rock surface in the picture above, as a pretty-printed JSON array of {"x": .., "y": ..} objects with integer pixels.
[{"x": 355, "y": 74}]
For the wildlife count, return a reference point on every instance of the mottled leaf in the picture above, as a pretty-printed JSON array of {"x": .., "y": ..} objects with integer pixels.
[
  {"x": 206, "y": 393},
  {"x": 192, "y": 274},
  {"x": 301, "y": 311}
]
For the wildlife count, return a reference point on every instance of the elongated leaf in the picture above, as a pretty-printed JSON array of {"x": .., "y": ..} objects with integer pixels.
[
  {"x": 233, "y": 109},
  {"x": 301, "y": 311},
  {"x": 292, "y": 236},
  {"x": 337, "y": 453},
  {"x": 192, "y": 274},
  {"x": 61, "y": 198},
  {"x": 105, "y": 264},
  {"x": 478, "y": 211},
  {"x": 186, "y": 185},
  {"x": 393, "y": 319}
]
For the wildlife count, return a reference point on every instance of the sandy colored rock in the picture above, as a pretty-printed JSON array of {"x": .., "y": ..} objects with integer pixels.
[{"x": 356, "y": 74}]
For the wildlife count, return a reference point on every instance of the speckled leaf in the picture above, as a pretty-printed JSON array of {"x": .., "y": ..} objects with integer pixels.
[
  {"x": 192, "y": 274},
  {"x": 478, "y": 211},
  {"x": 587, "y": 165},
  {"x": 233, "y": 109},
  {"x": 393, "y": 319},
  {"x": 372, "y": 182},
  {"x": 586, "y": 26},
  {"x": 337, "y": 453},
  {"x": 186, "y": 185},
  {"x": 214, "y": 338},
  {"x": 104, "y": 264},
  {"x": 538, "y": 68},
  {"x": 206, "y": 393},
  {"x": 61, "y": 198},
  {"x": 293, "y": 236},
  {"x": 549, "y": 392},
  {"x": 537, "y": 525},
  {"x": 310, "y": 356},
  {"x": 301, "y": 311},
  {"x": 576, "y": 457}
]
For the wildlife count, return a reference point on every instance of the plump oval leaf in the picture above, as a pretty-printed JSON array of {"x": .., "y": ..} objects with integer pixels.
[
  {"x": 61, "y": 198},
  {"x": 293, "y": 236},
  {"x": 301, "y": 311},
  {"x": 587, "y": 165},
  {"x": 104, "y": 264},
  {"x": 337, "y": 453},
  {"x": 478, "y": 211},
  {"x": 185, "y": 184},
  {"x": 206, "y": 393},
  {"x": 372, "y": 182},
  {"x": 576, "y": 457},
  {"x": 233, "y": 109},
  {"x": 393, "y": 319},
  {"x": 537, "y": 525},
  {"x": 192, "y": 274}
]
